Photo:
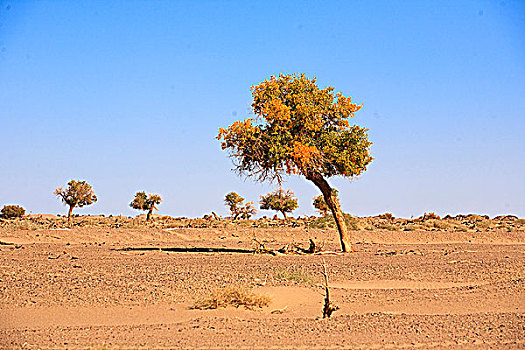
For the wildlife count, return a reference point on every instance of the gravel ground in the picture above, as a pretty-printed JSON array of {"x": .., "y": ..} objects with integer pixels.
[{"x": 78, "y": 289}]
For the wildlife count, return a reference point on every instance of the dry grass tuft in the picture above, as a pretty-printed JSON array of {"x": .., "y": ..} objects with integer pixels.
[{"x": 232, "y": 296}]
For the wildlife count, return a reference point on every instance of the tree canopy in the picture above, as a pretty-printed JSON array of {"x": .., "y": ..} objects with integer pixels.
[
  {"x": 279, "y": 200},
  {"x": 76, "y": 194},
  {"x": 237, "y": 207},
  {"x": 143, "y": 201},
  {"x": 299, "y": 129}
]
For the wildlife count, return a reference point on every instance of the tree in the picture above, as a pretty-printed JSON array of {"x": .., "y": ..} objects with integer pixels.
[
  {"x": 12, "y": 211},
  {"x": 299, "y": 129},
  {"x": 234, "y": 202},
  {"x": 77, "y": 194},
  {"x": 143, "y": 201},
  {"x": 283, "y": 201},
  {"x": 320, "y": 204}
]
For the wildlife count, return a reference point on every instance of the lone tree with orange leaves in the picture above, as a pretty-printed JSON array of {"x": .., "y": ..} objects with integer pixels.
[{"x": 300, "y": 129}]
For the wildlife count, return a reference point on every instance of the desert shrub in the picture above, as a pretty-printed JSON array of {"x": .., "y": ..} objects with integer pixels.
[
  {"x": 351, "y": 222},
  {"x": 410, "y": 227},
  {"x": 17, "y": 225},
  {"x": 235, "y": 296},
  {"x": 429, "y": 216},
  {"x": 387, "y": 216},
  {"x": 460, "y": 228},
  {"x": 389, "y": 227},
  {"x": 442, "y": 225},
  {"x": 328, "y": 222},
  {"x": 12, "y": 211},
  {"x": 295, "y": 274}
]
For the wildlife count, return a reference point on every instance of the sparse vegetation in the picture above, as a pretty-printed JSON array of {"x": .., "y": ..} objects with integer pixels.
[
  {"x": 77, "y": 194},
  {"x": 43, "y": 222},
  {"x": 281, "y": 201},
  {"x": 295, "y": 274},
  {"x": 328, "y": 221},
  {"x": 148, "y": 202},
  {"x": 235, "y": 296},
  {"x": 12, "y": 211}
]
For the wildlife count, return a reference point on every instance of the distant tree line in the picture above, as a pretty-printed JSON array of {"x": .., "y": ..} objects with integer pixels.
[{"x": 79, "y": 193}]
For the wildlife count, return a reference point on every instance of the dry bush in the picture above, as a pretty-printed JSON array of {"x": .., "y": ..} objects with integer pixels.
[
  {"x": 387, "y": 216},
  {"x": 12, "y": 211},
  {"x": 295, "y": 274},
  {"x": 232, "y": 296},
  {"x": 442, "y": 225},
  {"x": 429, "y": 216}
]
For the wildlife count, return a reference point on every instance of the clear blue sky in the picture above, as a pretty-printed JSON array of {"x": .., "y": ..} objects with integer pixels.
[{"x": 129, "y": 95}]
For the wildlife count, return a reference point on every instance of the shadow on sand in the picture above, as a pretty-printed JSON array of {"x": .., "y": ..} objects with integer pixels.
[{"x": 189, "y": 249}]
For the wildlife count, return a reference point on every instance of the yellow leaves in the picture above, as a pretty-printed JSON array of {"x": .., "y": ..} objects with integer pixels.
[
  {"x": 276, "y": 111},
  {"x": 292, "y": 115},
  {"x": 237, "y": 133}
]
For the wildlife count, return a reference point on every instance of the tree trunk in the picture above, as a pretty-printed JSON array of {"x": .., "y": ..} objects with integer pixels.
[
  {"x": 148, "y": 217},
  {"x": 69, "y": 214},
  {"x": 333, "y": 204},
  {"x": 284, "y": 214}
]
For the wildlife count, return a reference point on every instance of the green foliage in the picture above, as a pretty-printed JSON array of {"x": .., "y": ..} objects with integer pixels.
[
  {"x": 143, "y": 201},
  {"x": 282, "y": 201},
  {"x": 12, "y": 211},
  {"x": 320, "y": 204},
  {"x": 299, "y": 129},
  {"x": 77, "y": 194},
  {"x": 234, "y": 202}
]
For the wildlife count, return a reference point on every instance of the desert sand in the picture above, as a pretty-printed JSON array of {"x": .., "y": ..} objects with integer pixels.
[{"x": 81, "y": 288}]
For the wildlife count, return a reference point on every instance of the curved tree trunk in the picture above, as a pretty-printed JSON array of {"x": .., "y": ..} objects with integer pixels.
[
  {"x": 333, "y": 204},
  {"x": 148, "y": 216},
  {"x": 69, "y": 214},
  {"x": 284, "y": 214}
]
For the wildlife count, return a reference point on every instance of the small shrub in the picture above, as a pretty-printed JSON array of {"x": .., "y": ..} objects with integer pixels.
[
  {"x": 387, "y": 216},
  {"x": 232, "y": 296},
  {"x": 352, "y": 223},
  {"x": 12, "y": 211},
  {"x": 388, "y": 227},
  {"x": 295, "y": 274},
  {"x": 324, "y": 222},
  {"x": 431, "y": 215},
  {"x": 441, "y": 225}
]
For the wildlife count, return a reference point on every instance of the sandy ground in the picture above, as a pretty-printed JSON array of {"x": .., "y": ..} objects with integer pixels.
[{"x": 402, "y": 289}]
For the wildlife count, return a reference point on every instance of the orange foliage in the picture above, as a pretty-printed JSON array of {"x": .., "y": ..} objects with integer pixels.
[{"x": 303, "y": 155}]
